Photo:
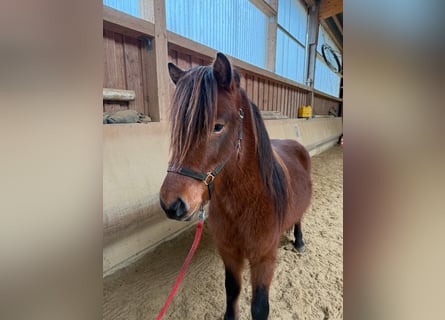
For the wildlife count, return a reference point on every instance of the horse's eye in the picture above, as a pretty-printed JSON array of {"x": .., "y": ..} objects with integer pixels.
[{"x": 218, "y": 127}]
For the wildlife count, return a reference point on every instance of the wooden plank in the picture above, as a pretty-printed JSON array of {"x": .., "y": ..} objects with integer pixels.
[
  {"x": 329, "y": 8},
  {"x": 119, "y": 81},
  {"x": 242, "y": 80},
  {"x": 249, "y": 89},
  {"x": 296, "y": 104},
  {"x": 303, "y": 99},
  {"x": 264, "y": 92},
  {"x": 173, "y": 56},
  {"x": 283, "y": 102},
  {"x": 184, "y": 61},
  {"x": 338, "y": 24},
  {"x": 279, "y": 101},
  {"x": 291, "y": 103},
  {"x": 118, "y": 95},
  {"x": 270, "y": 95},
  {"x": 274, "y": 4},
  {"x": 261, "y": 93},
  {"x": 115, "y": 106},
  {"x": 114, "y": 71},
  {"x": 133, "y": 72},
  {"x": 181, "y": 43},
  {"x": 206, "y": 59},
  {"x": 275, "y": 96},
  {"x": 196, "y": 61},
  {"x": 310, "y": 98},
  {"x": 292, "y": 98},
  {"x": 287, "y": 102},
  {"x": 146, "y": 9},
  {"x": 155, "y": 65},
  {"x": 266, "y": 8},
  {"x": 255, "y": 91},
  {"x": 121, "y": 22},
  {"x": 109, "y": 58},
  {"x": 327, "y": 96},
  {"x": 271, "y": 43}
]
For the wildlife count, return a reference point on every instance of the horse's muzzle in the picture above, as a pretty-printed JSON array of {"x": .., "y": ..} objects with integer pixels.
[{"x": 177, "y": 210}]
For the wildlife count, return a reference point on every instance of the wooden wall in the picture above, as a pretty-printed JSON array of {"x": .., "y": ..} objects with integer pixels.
[
  {"x": 129, "y": 66},
  {"x": 323, "y": 105},
  {"x": 266, "y": 93},
  {"x": 124, "y": 69}
]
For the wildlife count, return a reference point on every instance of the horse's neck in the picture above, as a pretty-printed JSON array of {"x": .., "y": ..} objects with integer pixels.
[{"x": 242, "y": 171}]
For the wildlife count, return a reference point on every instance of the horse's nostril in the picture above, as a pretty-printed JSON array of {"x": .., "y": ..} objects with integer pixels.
[{"x": 176, "y": 210}]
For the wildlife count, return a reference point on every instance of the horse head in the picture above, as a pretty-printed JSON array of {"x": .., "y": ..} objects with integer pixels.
[{"x": 206, "y": 130}]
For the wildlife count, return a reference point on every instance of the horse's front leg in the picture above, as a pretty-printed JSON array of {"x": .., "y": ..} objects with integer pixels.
[
  {"x": 233, "y": 264},
  {"x": 261, "y": 274},
  {"x": 299, "y": 243}
]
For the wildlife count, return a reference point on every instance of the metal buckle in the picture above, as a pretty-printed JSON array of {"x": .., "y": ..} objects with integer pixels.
[
  {"x": 201, "y": 213},
  {"x": 209, "y": 179}
]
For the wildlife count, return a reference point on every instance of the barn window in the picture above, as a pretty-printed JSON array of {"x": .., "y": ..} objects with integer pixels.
[
  {"x": 326, "y": 79},
  {"x": 291, "y": 39}
]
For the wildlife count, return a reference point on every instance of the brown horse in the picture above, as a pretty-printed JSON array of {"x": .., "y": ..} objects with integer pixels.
[{"x": 221, "y": 151}]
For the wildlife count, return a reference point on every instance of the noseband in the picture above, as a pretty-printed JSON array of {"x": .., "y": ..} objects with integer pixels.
[{"x": 209, "y": 177}]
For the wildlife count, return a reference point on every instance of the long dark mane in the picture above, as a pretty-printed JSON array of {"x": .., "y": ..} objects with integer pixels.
[
  {"x": 272, "y": 174},
  {"x": 192, "y": 111}
]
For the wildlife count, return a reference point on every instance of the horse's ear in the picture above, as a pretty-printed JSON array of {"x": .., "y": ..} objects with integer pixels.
[
  {"x": 222, "y": 71},
  {"x": 175, "y": 72}
]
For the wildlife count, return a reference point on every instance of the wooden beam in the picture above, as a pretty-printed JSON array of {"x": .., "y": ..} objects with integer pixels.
[
  {"x": 329, "y": 8},
  {"x": 155, "y": 60},
  {"x": 271, "y": 45},
  {"x": 194, "y": 48},
  {"x": 118, "y": 21},
  {"x": 337, "y": 23},
  {"x": 146, "y": 8},
  {"x": 318, "y": 93},
  {"x": 266, "y": 8},
  {"x": 118, "y": 95},
  {"x": 274, "y": 4}
]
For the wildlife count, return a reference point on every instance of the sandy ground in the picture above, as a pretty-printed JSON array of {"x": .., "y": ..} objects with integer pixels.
[{"x": 305, "y": 286}]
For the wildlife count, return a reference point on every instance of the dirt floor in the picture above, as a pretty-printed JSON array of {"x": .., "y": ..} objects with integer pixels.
[{"x": 305, "y": 286}]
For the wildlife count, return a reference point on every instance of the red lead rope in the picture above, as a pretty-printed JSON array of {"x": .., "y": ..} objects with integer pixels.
[{"x": 185, "y": 265}]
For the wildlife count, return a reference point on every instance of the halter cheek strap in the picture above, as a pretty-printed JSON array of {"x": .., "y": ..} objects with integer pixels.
[{"x": 209, "y": 177}]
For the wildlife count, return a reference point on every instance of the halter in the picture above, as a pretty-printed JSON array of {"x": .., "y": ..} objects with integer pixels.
[{"x": 210, "y": 176}]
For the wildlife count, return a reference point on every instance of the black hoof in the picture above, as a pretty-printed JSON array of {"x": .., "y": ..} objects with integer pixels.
[{"x": 300, "y": 247}]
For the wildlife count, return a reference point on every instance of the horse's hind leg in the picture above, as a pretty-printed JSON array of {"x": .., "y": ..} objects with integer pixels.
[{"x": 299, "y": 244}]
